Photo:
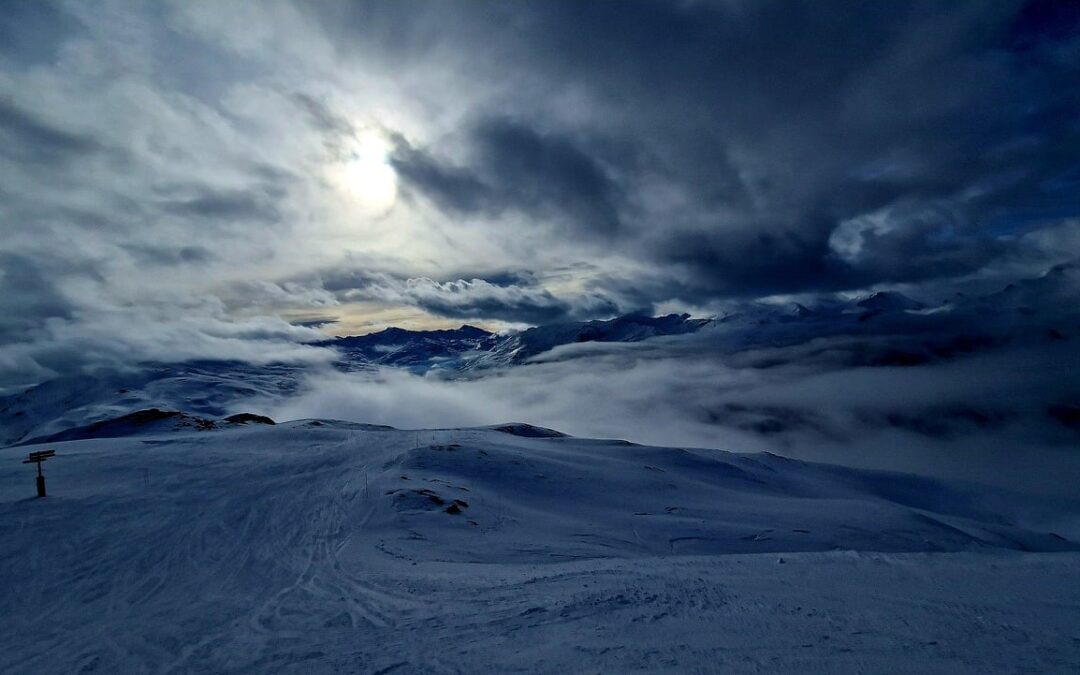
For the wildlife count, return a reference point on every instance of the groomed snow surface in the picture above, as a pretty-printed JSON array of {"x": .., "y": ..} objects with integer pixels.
[{"x": 330, "y": 547}]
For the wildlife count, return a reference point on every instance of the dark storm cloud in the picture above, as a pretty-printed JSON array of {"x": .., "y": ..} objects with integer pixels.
[
  {"x": 454, "y": 188},
  {"x": 876, "y": 107},
  {"x": 29, "y": 297},
  {"x": 754, "y": 263},
  {"x": 517, "y": 167},
  {"x": 776, "y": 124},
  {"x": 1042, "y": 23},
  {"x": 321, "y": 114},
  {"x": 30, "y": 140},
  {"x": 32, "y": 32},
  {"x": 904, "y": 244},
  {"x": 255, "y": 205},
  {"x": 504, "y": 278},
  {"x": 163, "y": 255}
]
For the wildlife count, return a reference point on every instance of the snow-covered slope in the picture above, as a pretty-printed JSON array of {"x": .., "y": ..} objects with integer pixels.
[
  {"x": 319, "y": 546},
  {"x": 205, "y": 388}
]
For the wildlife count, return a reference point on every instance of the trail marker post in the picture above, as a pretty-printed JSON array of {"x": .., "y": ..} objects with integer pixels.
[{"x": 38, "y": 458}]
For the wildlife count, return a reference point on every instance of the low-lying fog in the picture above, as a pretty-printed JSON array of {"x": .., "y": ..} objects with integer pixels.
[{"x": 992, "y": 417}]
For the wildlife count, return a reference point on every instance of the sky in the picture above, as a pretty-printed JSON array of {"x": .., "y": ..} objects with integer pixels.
[{"x": 236, "y": 179}]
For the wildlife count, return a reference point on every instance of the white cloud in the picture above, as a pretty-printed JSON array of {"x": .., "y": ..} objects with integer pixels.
[{"x": 924, "y": 419}]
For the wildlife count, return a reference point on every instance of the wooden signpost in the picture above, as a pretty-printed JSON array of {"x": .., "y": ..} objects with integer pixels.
[{"x": 38, "y": 458}]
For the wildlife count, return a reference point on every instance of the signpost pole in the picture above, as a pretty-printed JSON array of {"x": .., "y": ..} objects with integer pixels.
[{"x": 38, "y": 458}]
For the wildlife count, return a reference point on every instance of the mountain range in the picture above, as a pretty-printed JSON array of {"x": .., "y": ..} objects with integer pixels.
[{"x": 885, "y": 328}]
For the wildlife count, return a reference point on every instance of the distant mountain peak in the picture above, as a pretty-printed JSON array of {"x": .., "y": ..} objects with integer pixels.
[
  {"x": 466, "y": 330},
  {"x": 889, "y": 301}
]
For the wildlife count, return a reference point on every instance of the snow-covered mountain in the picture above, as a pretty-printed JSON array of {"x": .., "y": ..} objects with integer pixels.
[
  {"x": 185, "y": 544},
  {"x": 414, "y": 350},
  {"x": 882, "y": 329},
  {"x": 469, "y": 348},
  {"x": 630, "y": 328},
  {"x": 213, "y": 388},
  {"x": 204, "y": 388}
]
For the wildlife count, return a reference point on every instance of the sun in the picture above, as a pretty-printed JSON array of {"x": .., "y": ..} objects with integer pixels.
[{"x": 366, "y": 175}]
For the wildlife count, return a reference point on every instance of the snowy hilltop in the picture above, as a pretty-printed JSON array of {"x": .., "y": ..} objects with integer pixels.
[{"x": 176, "y": 543}]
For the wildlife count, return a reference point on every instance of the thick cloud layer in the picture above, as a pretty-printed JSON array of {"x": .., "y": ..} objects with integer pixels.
[
  {"x": 189, "y": 165},
  {"x": 984, "y": 419}
]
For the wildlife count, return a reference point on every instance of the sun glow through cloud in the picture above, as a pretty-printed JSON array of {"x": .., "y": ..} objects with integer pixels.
[{"x": 366, "y": 175}]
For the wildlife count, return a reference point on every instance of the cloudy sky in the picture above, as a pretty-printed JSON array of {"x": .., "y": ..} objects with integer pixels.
[{"x": 234, "y": 179}]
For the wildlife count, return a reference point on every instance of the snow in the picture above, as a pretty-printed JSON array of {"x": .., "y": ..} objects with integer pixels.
[
  {"x": 317, "y": 547},
  {"x": 207, "y": 388}
]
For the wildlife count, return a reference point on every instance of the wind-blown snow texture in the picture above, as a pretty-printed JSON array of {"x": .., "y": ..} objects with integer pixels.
[{"x": 204, "y": 546}]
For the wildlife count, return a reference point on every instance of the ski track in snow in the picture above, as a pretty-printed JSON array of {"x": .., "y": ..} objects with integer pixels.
[{"x": 314, "y": 549}]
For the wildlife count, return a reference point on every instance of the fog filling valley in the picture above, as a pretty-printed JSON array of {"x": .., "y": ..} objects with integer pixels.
[{"x": 982, "y": 419}]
